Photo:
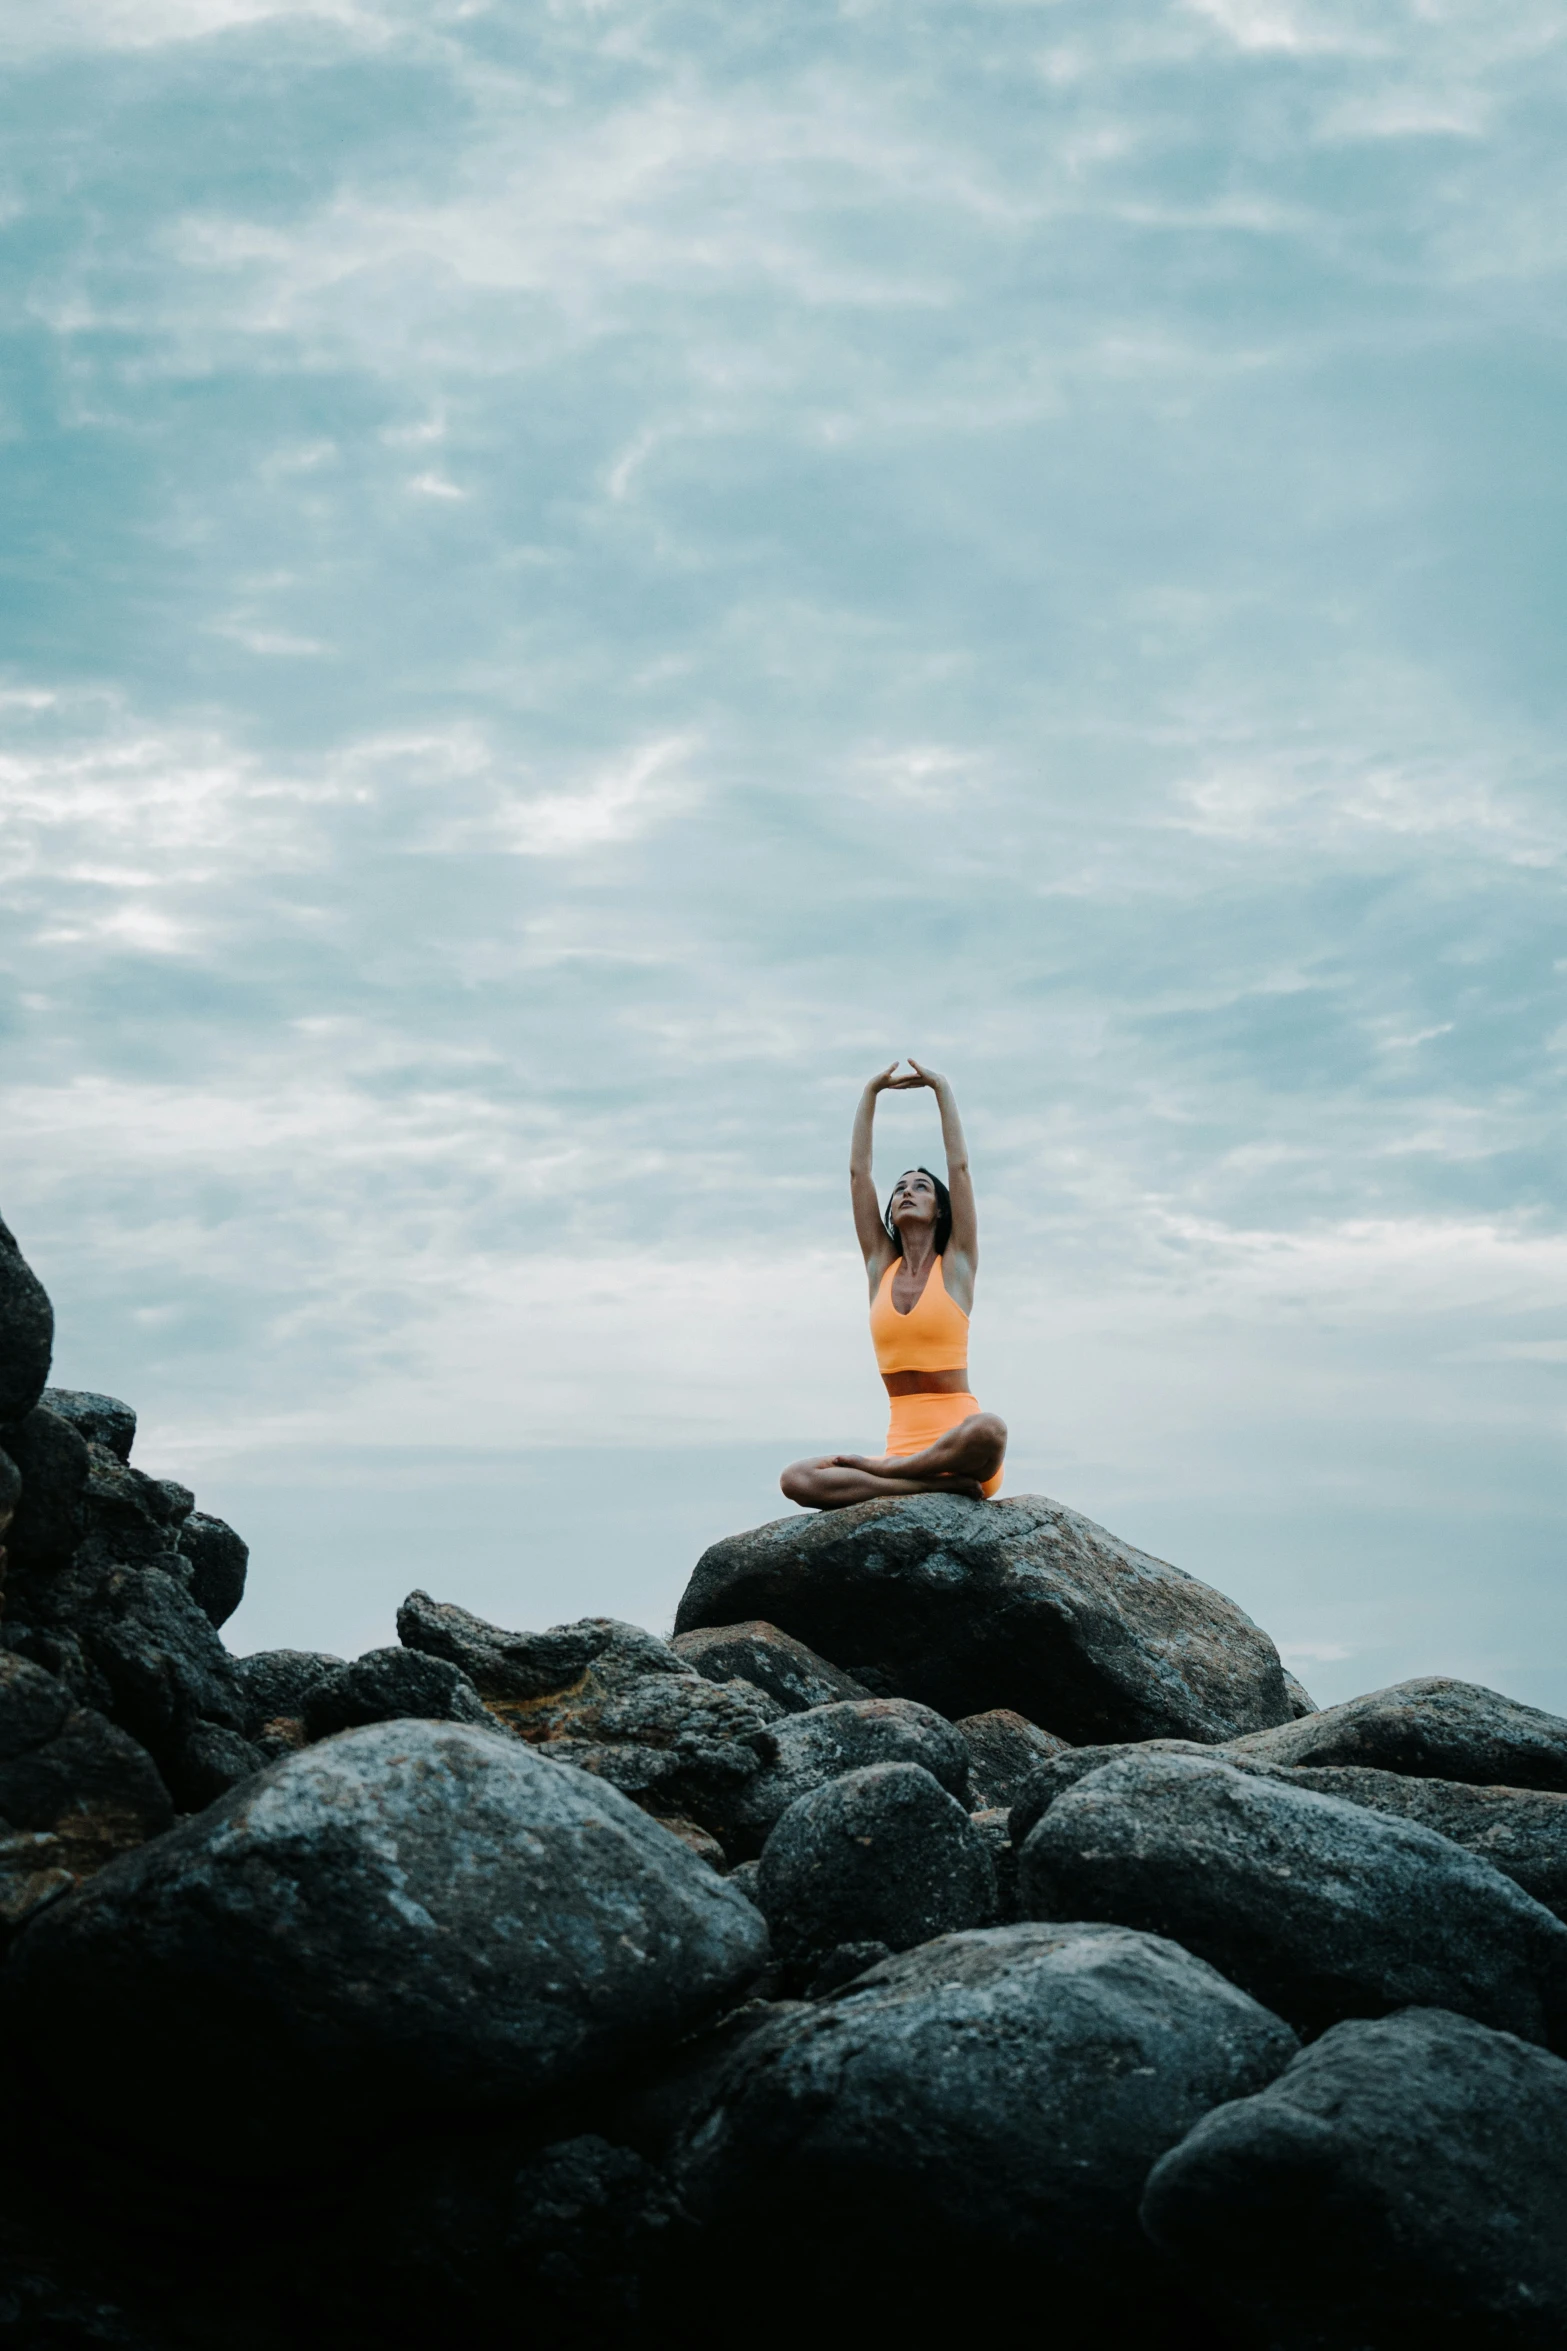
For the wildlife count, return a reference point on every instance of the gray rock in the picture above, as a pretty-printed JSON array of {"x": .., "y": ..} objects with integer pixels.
[
  {"x": 131, "y": 1520},
  {"x": 48, "y": 1518},
  {"x": 523, "y": 1670},
  {"x": 1404, "y": 2183},
  {"x": 845, "y": 1961},
  {"x": 1024, "y": 1604},
  {"x": 218, "y": 1560},
  {"x": 804, "y": 1751},
  {"x": 1057, "y": 1773},
  {"x": 101, "y": 1420},
  {"x": 412, "y": 1916},
  {"x": 611, "y": 1699},
  {"x": 1004, "y": 1751},
  {"x": 1301, "y": 1700},
  {"x": 273, "y": 1683},
  {"x": 1520, "y": 1831},
  {"x": 1319, "y": 1908},
  {"x": 984, "y": 2108},
  {"x": 74, "y": 1790},
  {"x": 882, "y": 1854},
  {"x": 1432, "y": 1728},
  {"x": 772, "y": 1661},
  {"x": 385, "y": 1684},
  {"x": 166, "y": 1669},
  {"x": 26, "y": 1332}
]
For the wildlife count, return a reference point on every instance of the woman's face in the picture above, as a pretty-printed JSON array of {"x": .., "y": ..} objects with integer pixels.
[{"x": 913, "y": 1202}]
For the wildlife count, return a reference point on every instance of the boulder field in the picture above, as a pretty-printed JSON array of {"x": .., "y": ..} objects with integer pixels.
[{"x": 961, "y": 1922}]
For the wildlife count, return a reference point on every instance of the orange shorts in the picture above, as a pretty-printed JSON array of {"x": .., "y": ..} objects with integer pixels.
[{"x": 917, "y": 1421}]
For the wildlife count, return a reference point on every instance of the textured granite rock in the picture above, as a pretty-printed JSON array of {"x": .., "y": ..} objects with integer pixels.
[
  {"x": 101, "y": 1420},
  {"x": 1023, "y": 1604},
  {"x": 385, "y": 1684},
  {"x": 880, "y": 1855},
  {"x": 1322, "y": 1909},
  {"x": 1520, "y": 1831},
  {"x": 1404, "y": 2182},
  {"x": 416, "y": 1915},
  {"x": 977, "y": 2116},
  {"x": 218, "y": 1561},
  {"x": 773, "y": 1661},
  {"x": 1433, "y": 1728},
  {"x": 1004, "y": 1751},
  {"x": 804, "y": 1751}
]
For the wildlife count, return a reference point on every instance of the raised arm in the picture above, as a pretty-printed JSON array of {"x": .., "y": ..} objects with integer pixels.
[
  {"x": 877, "y": 1251},
  {"x": 962, "y": 1256}
]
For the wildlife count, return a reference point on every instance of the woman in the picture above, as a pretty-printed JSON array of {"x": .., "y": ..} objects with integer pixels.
[{"x": 920, "y": 1260}]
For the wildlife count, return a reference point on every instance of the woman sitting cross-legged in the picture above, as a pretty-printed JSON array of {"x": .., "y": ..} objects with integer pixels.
[{"x": 920, "y": 1260}]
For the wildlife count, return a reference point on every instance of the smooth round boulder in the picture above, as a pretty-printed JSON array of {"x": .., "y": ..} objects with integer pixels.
[
  {"x": 1404, "y": 2182},
  {"x": 984, "y": 2108},
  {"x": 413, "y": 1916},
  {"x": 1023, "y": 1604},
  {"x": 1320, "y": 1908},
  {"x": 880, "y": 1855}
]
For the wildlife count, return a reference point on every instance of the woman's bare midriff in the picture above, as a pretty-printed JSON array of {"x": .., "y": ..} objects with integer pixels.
[{"x": 926, "y": 1383}]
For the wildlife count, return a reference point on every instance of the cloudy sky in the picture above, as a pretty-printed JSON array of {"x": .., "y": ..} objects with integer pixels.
[{"x": 576, "y": 576}]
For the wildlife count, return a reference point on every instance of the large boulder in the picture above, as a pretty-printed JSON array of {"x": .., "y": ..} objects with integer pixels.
[
  {"x": 611, "y": 1699},
  {"x": 1404, "y": 2183},
  {"x": 408, "y": 1917},
  {"x": 1052, "y": 1775},
  {"x": 1004, "y": 1753},
  {"x": 773, "y": 1661},
  {"x": 26, "y": 1332},
  {"x": 74, "y": 1791},
  {"x": 1319, "y": 1908},
  {"x": 970, "y": 1606},
  {"x": 1433, "y": 1728},
  {"x": 805, "y": 1751},
  {"x": 1520, "y": 1831},
  {"x": 882, "y": 1855},
  {"x": 976, "y": 2116}
]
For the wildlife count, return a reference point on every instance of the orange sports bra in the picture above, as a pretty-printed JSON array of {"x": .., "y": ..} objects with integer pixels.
[{"x": 932, "y": 1336}]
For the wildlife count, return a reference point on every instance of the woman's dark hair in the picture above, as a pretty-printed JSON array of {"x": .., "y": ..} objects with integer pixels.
[{"x": 943, "y": 1211}]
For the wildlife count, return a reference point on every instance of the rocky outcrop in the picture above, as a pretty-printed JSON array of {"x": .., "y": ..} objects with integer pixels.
[
  {"x": 881, "y": 1856},
  {"x": 1022, "y": 1604},
  {"x": 1433, "y": 1728},
  {"x": 412, "y": 1915},
  {"x": 770, "y": 1660},
  {"x": 1402, "y": 2182},
  {"x": 986, "y": 2107},
  {"x": 1321, "y": 1909},
  {"x": 466, "y": 2012}
]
